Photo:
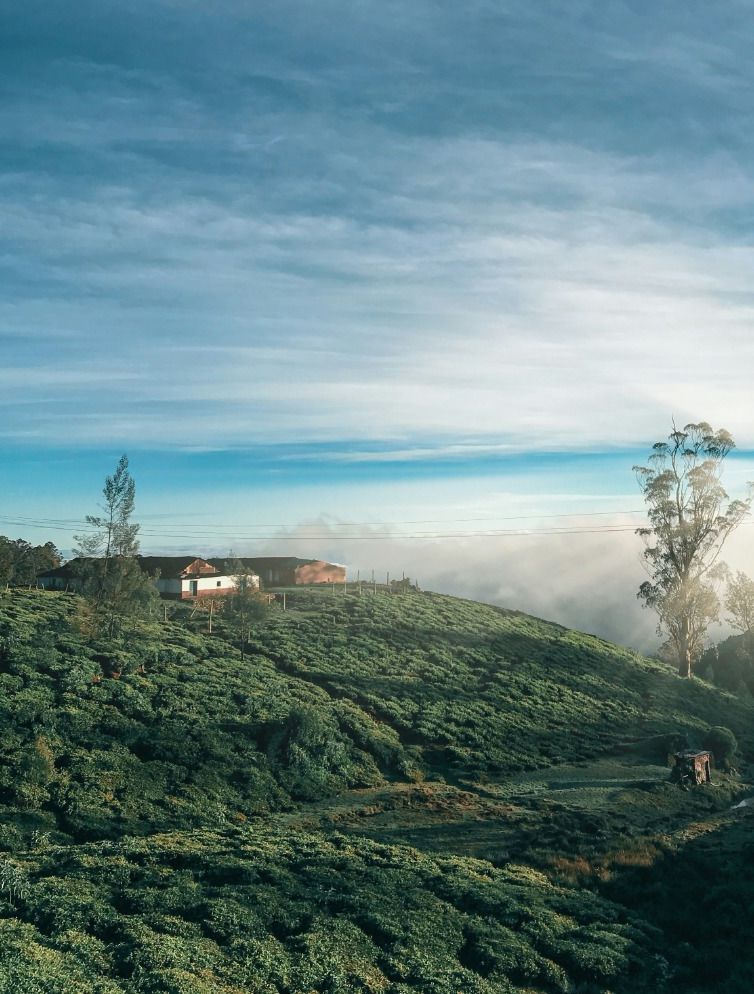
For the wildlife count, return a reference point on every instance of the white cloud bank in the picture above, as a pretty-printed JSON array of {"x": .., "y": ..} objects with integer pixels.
[{"x": 586, "y": 582}]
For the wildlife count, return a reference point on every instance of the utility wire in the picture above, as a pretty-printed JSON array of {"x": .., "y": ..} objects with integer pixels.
[
  {"x": 371, "y": 537},
  {"x": 66, "y": 524},
  {"x": 410, "y": 521},
  {"x": 240, "y": 534}
]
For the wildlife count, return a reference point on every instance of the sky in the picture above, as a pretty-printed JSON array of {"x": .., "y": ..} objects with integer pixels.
[{"x": 382, "y": 282}]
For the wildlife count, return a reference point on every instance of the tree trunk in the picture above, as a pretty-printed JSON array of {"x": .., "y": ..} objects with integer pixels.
[
  {"x": 685, "y": 669},
  {"x": 684, "y": 651}
]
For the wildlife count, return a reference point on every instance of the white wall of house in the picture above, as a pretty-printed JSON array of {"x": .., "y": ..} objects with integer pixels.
[{"x": 206, "y": 585}]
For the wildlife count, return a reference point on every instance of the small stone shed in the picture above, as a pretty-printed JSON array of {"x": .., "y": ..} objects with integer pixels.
[{"x": 692, "y": 767}]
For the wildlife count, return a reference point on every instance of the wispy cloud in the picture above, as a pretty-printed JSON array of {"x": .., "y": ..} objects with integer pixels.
[{"x": 510, "y": 227}]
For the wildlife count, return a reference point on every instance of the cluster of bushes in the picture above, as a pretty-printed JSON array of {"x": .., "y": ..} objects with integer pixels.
[
  {"x": 221, "y": 913},
  {"x": 139, "y": 779},
  {"x": 170, "y": 731}
]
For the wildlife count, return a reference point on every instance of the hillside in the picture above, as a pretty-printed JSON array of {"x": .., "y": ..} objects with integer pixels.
[{"x": 390, "y": 793}]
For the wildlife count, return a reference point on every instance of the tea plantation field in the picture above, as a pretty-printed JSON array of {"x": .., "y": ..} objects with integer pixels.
[{"x": 389, "y": 793}]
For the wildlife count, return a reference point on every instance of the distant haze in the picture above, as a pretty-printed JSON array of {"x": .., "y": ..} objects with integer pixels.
[
  {"x": 587, "y": 582},
  {"x": 583, "y": 581}
]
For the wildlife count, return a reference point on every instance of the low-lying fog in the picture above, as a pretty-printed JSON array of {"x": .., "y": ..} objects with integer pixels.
[{"x": 583, "y": 581}]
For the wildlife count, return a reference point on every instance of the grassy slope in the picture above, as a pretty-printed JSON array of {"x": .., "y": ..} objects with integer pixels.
[
  {"x": 241, "y": 779},
  {"x": 480, "y": 689}
]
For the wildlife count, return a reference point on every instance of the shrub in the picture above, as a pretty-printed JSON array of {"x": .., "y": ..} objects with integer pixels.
[{"x": 722, "y": 743}]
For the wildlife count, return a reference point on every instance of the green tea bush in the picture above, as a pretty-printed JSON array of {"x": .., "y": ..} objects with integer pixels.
[
  {"x": 723, "y": 745},
  {"x": 249, "y": 910},
  {"x": 138, "y": 763}
]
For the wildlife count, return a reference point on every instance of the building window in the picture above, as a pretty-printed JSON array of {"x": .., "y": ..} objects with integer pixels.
[{"x": 219, "y": 583}]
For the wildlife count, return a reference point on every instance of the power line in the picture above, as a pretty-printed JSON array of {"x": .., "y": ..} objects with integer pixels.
[
  {"x": 68, "y": 524},
  {"x": 370, "y": 537},
  {"x": 409, "y": 521},
  {"x": 431, "y": 521}
]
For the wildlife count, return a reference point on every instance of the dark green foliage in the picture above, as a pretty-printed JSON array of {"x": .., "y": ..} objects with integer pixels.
[
  {"x": 174, "y": 729},
  {"x": 117, "y": 594},
  {"x": 155, "y": 793},
  {"x": 246, "y": 911},
  {"x": 20, "y": 561},
  {"x": 311, "y": 754},
  {"x": 731, "y": 665},
  {"x": 722, "y": 743},
  {"x": 700, "y": 895}
]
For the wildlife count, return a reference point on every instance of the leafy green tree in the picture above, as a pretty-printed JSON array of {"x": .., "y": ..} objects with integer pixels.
[
  {"x": 21, "y": 562},
  {"x": 688, "y": 525},
  {"x": 311, "y": 753},
  {"x": 45, "y": 557},
  {"x": 739, "y": 602},
  {"x": 112, "y": 533},
  {"x": 6, "y": 560},
  {"x": 116, "y": 590},
  {"x": 730, "y": 665},
  {"x": 246, "y": 606}
]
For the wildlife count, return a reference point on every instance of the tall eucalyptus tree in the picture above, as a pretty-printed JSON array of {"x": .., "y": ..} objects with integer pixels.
[{"x": 690, "y": 518}]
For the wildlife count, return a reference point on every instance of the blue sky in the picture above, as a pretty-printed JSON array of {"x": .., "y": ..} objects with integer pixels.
[{"x": 376, "y": 262}]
